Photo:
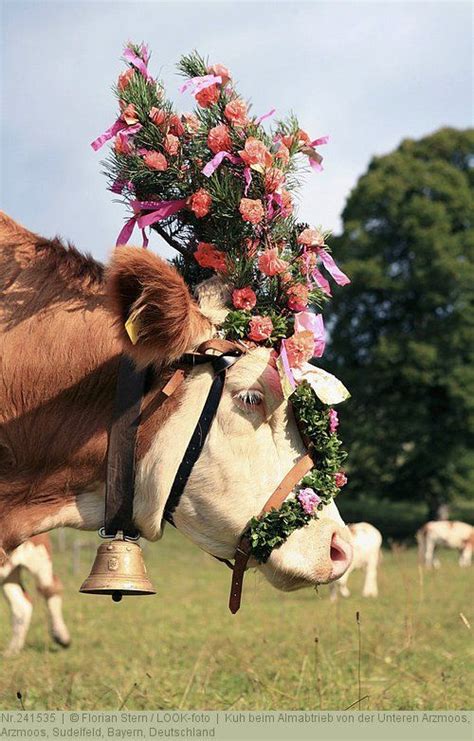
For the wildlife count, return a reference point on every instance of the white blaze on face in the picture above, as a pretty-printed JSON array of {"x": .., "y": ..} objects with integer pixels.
[{"x": 252, "y": 444}]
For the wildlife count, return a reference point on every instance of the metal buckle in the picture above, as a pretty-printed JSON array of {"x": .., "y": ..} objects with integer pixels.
[{"x": 119, "y": 534}]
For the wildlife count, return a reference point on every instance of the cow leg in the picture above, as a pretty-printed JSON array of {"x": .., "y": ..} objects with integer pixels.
[
  {"x": 342, "y": 583},
  {"x": 370, "y": 585},
  {"x": 465, "y": 558},
  {"x": 21, "y": 610},
  {"x": 429, "y": 553},
  {"x": 50, "y": 588}
]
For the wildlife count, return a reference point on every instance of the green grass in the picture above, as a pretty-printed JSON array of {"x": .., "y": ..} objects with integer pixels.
[{"x": 183, "y": 649}]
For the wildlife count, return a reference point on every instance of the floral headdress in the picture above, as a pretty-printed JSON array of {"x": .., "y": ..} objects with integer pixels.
[{"x": 218, "y": 187}]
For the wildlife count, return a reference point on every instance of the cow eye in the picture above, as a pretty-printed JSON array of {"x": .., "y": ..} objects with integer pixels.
[{"x": 249, "y": 399}]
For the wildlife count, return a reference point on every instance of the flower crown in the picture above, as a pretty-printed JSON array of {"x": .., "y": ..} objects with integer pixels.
[{"x": 219, "y": 188}]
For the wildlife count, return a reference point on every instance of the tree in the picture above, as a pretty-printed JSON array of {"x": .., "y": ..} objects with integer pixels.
[{"x": 403, "y": 331}]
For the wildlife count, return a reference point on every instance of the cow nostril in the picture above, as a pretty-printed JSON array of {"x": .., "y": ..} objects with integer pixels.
[{"x": 340, "y": 555}]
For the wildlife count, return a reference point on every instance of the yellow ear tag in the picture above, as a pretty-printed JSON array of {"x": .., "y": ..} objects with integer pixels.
[{"x": 131, "y": 328}]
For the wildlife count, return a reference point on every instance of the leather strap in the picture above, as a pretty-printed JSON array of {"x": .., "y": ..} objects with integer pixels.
[
  {"x": 120, "y": 481},
  {"x": 244, "y": 547}
]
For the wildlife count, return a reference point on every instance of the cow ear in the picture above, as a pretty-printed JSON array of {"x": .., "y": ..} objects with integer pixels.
[{"x": 156, "y": 317}]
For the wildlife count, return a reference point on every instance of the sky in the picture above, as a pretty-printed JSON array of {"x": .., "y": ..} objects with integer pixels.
[{"x": 368, "y": 74}]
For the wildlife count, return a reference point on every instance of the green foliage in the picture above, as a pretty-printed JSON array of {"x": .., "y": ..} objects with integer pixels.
[
  {"x": 403, "y": 331},
  {"x": 271, "y": 530}
]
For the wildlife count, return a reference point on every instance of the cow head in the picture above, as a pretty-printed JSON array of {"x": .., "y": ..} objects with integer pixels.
[{"x": 253, "y": 441}]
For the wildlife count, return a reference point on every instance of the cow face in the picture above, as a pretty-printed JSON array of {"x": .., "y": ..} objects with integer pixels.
[{"x": 252, "y": 444}]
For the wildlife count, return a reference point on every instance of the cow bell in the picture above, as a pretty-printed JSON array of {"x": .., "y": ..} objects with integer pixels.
[{"x": 118, "y": 569}]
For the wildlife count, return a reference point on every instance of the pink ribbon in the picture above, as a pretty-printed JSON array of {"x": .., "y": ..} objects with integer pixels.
[
  {"x": 286, "y": 365},
  {"x": 265, "y": 115},
  {"x": 213, "y": 164},
  {"x": 320, "y": 141},
  {"x": 314, "y": 157},
  {"x": 196, "y": 84},
  {"x": 118, "y": 185},
  {"x": 248, "y": 179},
  {"x": 309, "y": 322},
  {"x": 162, "y": 209},
  {"x": 136, "y": 61},
  {"x": 119, "y": 125},
  {"x": 321, "y": 281},
  {"x": 328, "y": 262}
]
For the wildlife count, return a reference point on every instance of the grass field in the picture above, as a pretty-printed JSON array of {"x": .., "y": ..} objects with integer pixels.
[{"x": 183, "y": 649}]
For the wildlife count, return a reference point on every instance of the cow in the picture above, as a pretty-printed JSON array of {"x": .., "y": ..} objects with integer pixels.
[
  {"x": 447, "y": 533},
  {"x": 366, "y": 549},
  {"x": 62, "y": 333},
  {"x": 35, "y": 556}
]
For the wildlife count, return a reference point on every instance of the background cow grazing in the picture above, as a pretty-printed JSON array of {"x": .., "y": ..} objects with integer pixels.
[
  {"x": 366, "y": 545},
  {"x": 447, "y": 533},
  {"x": 35, "y": 556}
]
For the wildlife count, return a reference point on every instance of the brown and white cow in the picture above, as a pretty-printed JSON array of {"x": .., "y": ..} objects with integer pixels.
[
  {"x": 34, "y": 556},
  {"x": 366, "y": 549},
  {"x": 61, "y": 334},
  {"x": 447, "y": 533}
]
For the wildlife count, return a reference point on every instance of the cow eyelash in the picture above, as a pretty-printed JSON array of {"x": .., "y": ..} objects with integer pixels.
[{"x": 250, "y": 398}]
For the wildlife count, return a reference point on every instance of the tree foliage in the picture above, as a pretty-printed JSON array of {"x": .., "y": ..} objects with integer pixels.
[{"x": 403, "y": 331}]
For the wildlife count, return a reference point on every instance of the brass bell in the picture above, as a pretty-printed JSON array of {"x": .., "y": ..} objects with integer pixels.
[{"x": 118, "y": 569}]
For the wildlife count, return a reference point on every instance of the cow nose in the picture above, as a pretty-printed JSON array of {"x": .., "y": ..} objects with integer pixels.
[{"x": 340, "y": 555}]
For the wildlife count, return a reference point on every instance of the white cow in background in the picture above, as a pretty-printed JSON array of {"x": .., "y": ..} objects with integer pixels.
[
  {"x": 450, "y": 534},
  {"x": 366, "y": 545},
  {"x": 35, "y": 556}
]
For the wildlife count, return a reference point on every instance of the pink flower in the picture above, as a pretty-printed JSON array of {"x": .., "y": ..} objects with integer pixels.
[
  {"x": 236, "y": 112},
  {"x": 191, "y": 122},
  {"x": 309, "y": 500},
  {"x": 200, "y": 203},
  {"x": 157, "y": 115},
  {"x": 270, "y": 263},
  {"x": 297, "y": 297},
  {"x": 260, "y": 328},
  {"x": 209, "y": 96},
  {"x": 130, "y": 115},
  {"x": 333, "y": 421},
  {"x": 255, "y": 153},
  {"x": 125, "y": 78},
  {"x": 244, "y": 298},
  {"x": 251, "y": 210},
  {"x": 340, "y": 479},
  {"x": 220, "y": 71},
  {"x": 171, "y": 144},
  {"x": 286, "y": 203},
  {"x": 282, "y": 153},
  {"x": 311, "y": 238},
  {"x": 207, "y": 256},
  {"x": 299, "y": 348},
  {"x": 218, "y": 139},
  {"x": 156, "y": 161}
]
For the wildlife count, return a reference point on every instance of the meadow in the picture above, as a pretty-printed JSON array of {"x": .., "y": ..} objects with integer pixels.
[{"x": 411, "y": 648}]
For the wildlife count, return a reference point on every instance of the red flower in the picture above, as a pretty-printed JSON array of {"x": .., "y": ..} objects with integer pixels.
[
  {"x": 191, "y": 122},
  {"x": 200, "y": 203},
  {"x": 274, "y": 179},
  {"x": 130, "y": 115},
  {"x": 340, "y": 479},
  {"x": 175, "y": 126},
  {"x": 220, "y": 70},
  {"x": 171, "y": 144},
  {"x": 251, "y": 210},
  {"x": 256, "y": 153},
  {"x": 157, "y": 115},
  {"x": 260, "y": 328},
  {"x": 270, "y": 263},
  {"x": 122, "y": 144},
  {"x": 207, "y": 256},
  {"x": 311, "y": 238},
  {"x": 156, "y": 161},
  {"x": 209, "y": 96},
  {"x": 125, "y": 78},
  {"x": 218, "y": 139},
  {"x": 297, "y": 297},
  {"x": 244, "y": 298},
  {"x": 299, "y": 348},
  {"x": 236, "y": 112}
]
